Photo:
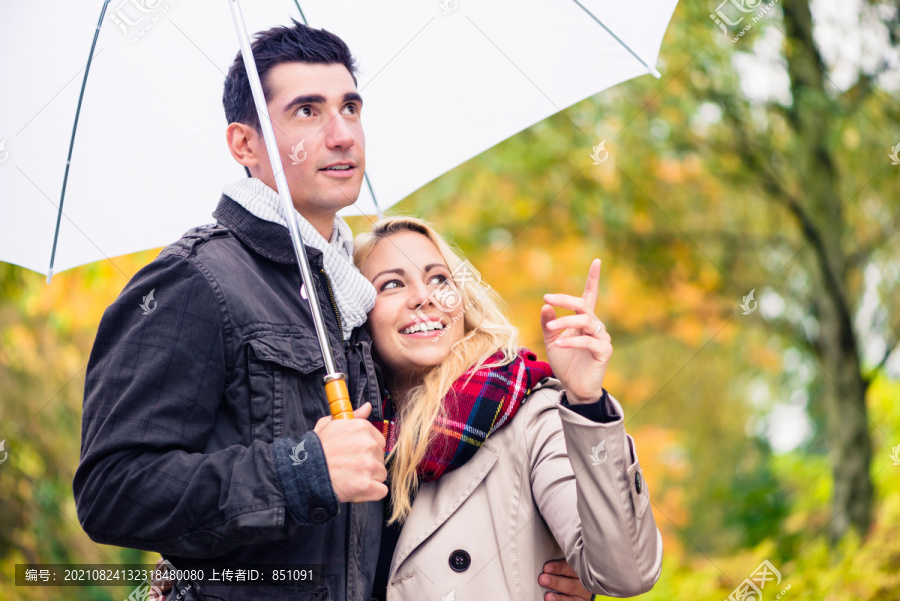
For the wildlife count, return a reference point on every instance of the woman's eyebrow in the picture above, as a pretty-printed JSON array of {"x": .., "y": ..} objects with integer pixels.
[
  {"x": 396, "y": 270},
  {"x": 402, "y": 272}
]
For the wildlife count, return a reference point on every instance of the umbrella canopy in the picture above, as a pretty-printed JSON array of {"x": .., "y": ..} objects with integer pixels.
[{"x": 441, "y": 81}]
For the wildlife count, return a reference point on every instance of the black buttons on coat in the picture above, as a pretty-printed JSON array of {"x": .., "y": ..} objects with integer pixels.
[
  {"x": 460, "y": 560},
  {"x": 638, "y": 483},
  {"x": 319, "y": 515}
]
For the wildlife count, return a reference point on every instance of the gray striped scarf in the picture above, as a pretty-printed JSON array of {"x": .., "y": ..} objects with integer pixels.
[{"x": 354, "y": 294}]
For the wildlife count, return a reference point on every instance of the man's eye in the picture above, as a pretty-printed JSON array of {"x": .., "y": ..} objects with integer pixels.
[
  {"x": 387, "y": 285},
  {"x": 353, "y": 108},
  {"x": 307, "y": 111}
]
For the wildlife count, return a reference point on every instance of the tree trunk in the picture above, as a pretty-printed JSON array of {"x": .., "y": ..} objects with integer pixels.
[{"x": 818, "y": 211}]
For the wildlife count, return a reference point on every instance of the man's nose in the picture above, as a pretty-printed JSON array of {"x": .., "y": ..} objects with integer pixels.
[{"x": 338, "y": 134}]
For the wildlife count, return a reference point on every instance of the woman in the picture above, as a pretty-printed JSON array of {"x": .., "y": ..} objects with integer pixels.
[{"x": 492, "y": 509}]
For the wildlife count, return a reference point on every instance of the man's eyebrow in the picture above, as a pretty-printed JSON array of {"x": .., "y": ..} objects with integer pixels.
[
  {"x": 319, "y": 99},
  {"x": 305, "y": 99},
  {"x": 351, "y": 96}
]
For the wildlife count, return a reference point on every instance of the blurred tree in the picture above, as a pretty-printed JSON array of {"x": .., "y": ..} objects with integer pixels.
[
  {"x": 711, "y": 190},
  {"x": 46, "y": 334},
  {"x": 807, "y": 173}
]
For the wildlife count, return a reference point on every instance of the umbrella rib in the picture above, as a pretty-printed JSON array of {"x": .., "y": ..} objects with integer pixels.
[
  {"x": 302, "y": 16},
  {"x": 378, "y": 210},
  {"x": 75, "y": 225},
  {"x": 650, "y": 69},
  {"x": 62, "y": 195}
]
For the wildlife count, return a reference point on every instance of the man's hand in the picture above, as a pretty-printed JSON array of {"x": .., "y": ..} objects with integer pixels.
[
  {"x": 558, "y": 576},
  {"x": 159, "y": 588},
  {"x": 354, "y": 451}
]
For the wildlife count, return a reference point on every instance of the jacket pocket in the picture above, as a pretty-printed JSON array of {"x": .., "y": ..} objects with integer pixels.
[{"x": 286, "y": 391}]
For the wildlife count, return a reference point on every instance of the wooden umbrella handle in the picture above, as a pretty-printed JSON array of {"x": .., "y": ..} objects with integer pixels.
[{"x": 338, "y": 397}]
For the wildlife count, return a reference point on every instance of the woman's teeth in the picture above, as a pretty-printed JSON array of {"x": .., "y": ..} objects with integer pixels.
[{"x": 423, "y": 327}]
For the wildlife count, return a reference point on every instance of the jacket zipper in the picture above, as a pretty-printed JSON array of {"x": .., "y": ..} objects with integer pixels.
[{"x": 334, "y": 306}]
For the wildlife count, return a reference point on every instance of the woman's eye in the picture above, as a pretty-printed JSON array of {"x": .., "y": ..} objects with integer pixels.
[
  {"x": 387, "y": 285},
  {"x": 440, "y": 279}
]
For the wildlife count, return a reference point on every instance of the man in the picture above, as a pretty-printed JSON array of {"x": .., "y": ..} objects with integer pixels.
[
  {"x": 200, "y": 435},
  {"x": 204, "y": 436}
]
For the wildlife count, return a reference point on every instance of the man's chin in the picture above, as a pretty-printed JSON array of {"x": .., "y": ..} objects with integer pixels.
[
  {"x": 333, "y": 202},
  {"x": 342, "y": 195}
]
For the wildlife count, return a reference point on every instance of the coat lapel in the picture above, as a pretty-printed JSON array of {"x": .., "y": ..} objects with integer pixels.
[{"x": 437, "y": 501}]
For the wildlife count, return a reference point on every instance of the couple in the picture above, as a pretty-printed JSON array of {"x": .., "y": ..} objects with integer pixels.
[{"x": 203, "y": 429}]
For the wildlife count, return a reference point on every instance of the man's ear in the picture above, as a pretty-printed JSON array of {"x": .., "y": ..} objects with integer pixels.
[{"x": 242, "y": 142}]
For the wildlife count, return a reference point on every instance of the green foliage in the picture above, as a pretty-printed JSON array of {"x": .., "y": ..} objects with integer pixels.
[
  {"x": 46, "y": 334},
  {"x": 762, "y": 505}
]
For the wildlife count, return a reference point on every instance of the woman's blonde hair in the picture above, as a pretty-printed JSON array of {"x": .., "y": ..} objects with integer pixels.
[{"x": 486, "y": 331}]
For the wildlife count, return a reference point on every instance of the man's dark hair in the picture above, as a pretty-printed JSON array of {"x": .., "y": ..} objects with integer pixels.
[{"x": 294, "y": 44}]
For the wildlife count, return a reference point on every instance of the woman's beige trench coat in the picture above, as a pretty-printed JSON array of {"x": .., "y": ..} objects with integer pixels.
[{"x": 548, "y": 485}]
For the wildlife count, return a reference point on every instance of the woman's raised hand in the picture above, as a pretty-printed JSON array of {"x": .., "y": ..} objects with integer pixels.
[{"x": 578, "y": 346}]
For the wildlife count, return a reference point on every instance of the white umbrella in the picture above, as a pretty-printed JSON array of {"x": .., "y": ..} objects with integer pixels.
[{"x": 442, "y": 81}]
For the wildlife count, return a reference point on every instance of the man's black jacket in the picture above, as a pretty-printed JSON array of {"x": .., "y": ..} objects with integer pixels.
[{"x": 196, "y": 400}]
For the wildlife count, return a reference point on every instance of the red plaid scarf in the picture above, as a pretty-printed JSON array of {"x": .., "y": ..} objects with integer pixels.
[{"x": 475, "y": 410}]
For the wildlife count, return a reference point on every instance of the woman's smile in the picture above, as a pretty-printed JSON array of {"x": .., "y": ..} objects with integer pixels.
[{"x": 424, "y": 329}]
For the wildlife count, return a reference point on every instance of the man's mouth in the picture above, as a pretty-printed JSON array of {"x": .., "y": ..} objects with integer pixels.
[
  {"x": 345, "y": 165},
  {"x": 342, "y": 170}
]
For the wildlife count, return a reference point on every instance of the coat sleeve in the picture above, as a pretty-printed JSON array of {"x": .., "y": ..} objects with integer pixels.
[
  {"x": 154, "y": 400},
  {"x": 587, "y": 483}
]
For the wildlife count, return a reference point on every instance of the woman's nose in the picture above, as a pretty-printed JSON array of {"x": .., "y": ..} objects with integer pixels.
[{"x": 419, "y": 295}]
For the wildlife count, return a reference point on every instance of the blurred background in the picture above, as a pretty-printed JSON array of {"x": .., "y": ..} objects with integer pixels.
[{"x": 747, "y": 211}]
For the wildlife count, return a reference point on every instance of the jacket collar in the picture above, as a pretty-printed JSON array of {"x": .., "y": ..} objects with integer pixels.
[
  {"x": 436, "y": 501},
  {"x": 271, "y": 240}
]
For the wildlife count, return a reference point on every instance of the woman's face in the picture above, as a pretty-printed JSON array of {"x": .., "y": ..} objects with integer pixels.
[{"x": 406, "y": 268}]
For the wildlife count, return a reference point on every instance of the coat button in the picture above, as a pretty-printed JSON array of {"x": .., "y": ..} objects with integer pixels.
[
  {"x": 638, "y": 483},
  {"x": 319, "y": 515},
  {"x": 460, "y": 560}
]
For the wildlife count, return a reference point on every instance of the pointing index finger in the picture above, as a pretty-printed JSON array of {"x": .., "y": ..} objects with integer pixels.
[{"x": 592, "y": 285}]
